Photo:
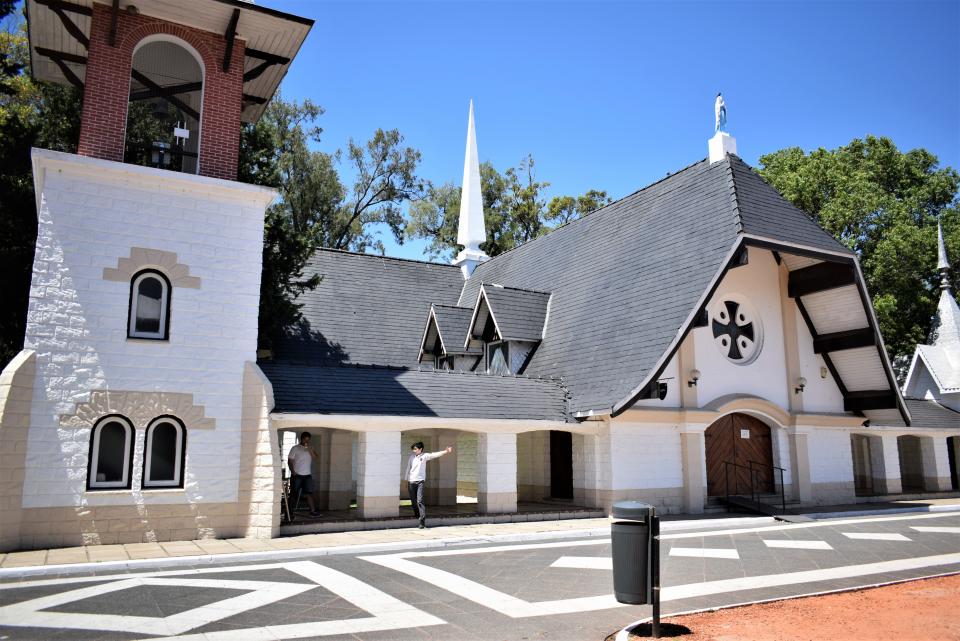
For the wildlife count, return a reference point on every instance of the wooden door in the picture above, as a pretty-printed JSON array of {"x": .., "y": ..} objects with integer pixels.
[
  {"x": 561, "y": 465},
  {"x": 742, "y": 440}
]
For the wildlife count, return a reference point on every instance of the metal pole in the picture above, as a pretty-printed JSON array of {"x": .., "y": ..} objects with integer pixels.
[{"x": 655, "y": 571}]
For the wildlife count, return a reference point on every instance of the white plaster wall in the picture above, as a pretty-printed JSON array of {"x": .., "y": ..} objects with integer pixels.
[
  {"x": 91, "y": 214},
  {"x": 820, "y": 394},
  {"x": 497, "y": 463},
  {"x": 759, "y": 283},
  {"x": 831, "y": 459},
  {"x": 374, "y": 477},
  {"x": 644, "y": 455}
]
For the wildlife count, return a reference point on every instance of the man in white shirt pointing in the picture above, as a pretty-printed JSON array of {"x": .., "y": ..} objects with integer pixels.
[{"x": 416, "y": 474}]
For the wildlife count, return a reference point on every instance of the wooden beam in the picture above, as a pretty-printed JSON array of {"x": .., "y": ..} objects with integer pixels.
[
  {"x": 146, "y": 94},
  {"x": 263, "y": 55},
  {"x": 161, "y": 91},
  {"x": 61, "y": 55},
  {"x": 257, "y": 71},
  {"x": 850, "y": 339},
  {"x": 114, "y": 13},
  {"x": 63, "y": 5},
  {"x": 255, "y": 100},
  {"x": 818, "y": 278},
  {"x": 71, "y": 77},
  {"x": 231, "y": 35},
  {"x": 870, "y": 400}
]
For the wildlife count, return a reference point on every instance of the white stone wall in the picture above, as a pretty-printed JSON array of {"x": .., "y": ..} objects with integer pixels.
[
  {"x": 831, "y": 466},
  {"x": 645, "y": 456},
  {"x": 91, "y": 214},
  {"x": 759, "y": 283},
  {"x": 466, "y": 451}
]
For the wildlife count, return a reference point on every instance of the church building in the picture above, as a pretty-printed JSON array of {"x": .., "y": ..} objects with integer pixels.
[{"x": 698, "y": 339}]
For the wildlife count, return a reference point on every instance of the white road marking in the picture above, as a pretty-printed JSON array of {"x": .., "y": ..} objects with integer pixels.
[
  {"x": 516, "y": 608},
  {"x": 875, "y": 536},
  {"x": 706, "y": 553},
  {"x": 388, "y": 612},
  {"x": 800, "y": 526},
  {"x": 797, "y": 545},
  {"x": 584, "y": 562},
  {"x": 946, "y": 530}
]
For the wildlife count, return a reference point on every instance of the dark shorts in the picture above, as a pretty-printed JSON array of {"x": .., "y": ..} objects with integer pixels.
[{"x": 298, "y": 483}]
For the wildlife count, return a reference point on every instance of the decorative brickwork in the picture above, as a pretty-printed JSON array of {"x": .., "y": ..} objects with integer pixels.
[
  {"x": 107, "y": 87},
  {"x": 140, "y": 408},
  {"x": 140, "y": 258}
]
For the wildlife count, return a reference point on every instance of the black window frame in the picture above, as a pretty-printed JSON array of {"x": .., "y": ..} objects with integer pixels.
[
  {"x": 147, "y": 447},
  {"x": 101, "y": 422},
  {"x": 166, "y": 312}
]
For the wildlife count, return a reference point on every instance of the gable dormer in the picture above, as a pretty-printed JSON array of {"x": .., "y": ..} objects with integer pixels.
[
  {"x": 444, "y": 337},
  {"x": 508, "y": 323}
]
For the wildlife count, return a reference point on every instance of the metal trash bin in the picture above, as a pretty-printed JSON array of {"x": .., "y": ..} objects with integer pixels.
[{"x": 631, "y": 536}]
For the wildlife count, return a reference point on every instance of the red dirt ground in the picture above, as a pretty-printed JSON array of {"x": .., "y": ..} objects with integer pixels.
[{"x": 924, "y": 610}]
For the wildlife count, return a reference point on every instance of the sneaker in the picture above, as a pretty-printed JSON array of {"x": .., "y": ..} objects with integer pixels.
[
  {"x": 423, "y": 527},
  {"x": 314, "y": 513}
]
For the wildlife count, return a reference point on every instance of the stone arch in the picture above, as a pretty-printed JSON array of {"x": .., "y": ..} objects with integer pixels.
[
  {"x": 139, "y": 407},
  {"x": 141, "y": 258}
]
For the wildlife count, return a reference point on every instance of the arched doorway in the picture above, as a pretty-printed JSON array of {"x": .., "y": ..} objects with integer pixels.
[{"x": 744, "y": 442}]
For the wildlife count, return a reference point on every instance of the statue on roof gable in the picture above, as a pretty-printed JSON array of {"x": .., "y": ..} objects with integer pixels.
[{"x": 720, "y": 113}]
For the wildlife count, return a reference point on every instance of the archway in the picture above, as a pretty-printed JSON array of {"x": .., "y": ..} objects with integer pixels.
[{"x": 738, "y": 446}]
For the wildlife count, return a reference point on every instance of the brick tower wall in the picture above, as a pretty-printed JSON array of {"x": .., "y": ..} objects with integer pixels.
[{"x": 106, "y": 93}]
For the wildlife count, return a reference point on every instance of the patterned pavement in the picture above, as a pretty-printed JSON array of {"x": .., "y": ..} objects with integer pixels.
[{"x": 534, "y": 589}]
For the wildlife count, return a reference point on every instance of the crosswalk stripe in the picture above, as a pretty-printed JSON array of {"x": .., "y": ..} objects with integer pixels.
[
  {"x": 797, "y": 545},
  {"x": 584, "y": 562},
  {"x": 944, "y": 529},
  {"x": 875, "y": 536},
  {"x": 706, "y": 553}
]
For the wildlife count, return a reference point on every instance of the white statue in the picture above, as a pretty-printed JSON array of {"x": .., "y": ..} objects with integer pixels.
[{"x": 720, "y": 113}]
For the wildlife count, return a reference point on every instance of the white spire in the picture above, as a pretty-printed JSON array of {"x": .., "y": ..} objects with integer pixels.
[
  {"x": 942, "y": 263},
  {"x": 946, "y": 325},
  {"x": 471, "y": 231}
]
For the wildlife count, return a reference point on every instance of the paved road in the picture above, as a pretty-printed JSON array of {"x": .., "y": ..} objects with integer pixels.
[{"x": 540, "y": 589}]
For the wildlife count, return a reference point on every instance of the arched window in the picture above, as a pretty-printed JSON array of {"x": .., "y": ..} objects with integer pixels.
[
  {"x": 149, "y": 306},
  {"x": 163, "y": 115},
  {"x": 111, "y": 449},
  {"x": 164, "y": 453}
]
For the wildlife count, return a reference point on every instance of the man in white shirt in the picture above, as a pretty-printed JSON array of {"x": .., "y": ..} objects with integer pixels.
[
  {"x": 416, "y": 474},
  {"x": 300, "y": 461}
]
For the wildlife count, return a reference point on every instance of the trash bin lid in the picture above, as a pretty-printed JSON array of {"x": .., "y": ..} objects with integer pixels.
[{"x": 633, "y": 510}]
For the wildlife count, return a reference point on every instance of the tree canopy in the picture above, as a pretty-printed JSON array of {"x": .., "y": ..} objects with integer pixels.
[
  {"x": 883, "y": 204},
  {"x": 514, "y": 210}
]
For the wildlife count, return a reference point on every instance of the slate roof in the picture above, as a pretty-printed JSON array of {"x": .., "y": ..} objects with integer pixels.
[
  {"x": 924, "y": 414},
  {"x": 453, "y": 324},
  {"x": 519, "y": 314},
  {"x": 625, "y": 278},
  {"x": 410, "y": 392},
  {"x": 622, "y": 284},
  {"x": 367, "y": 309},
  {"x": 764, "y": 212},
  {"x": 944, "y": 370}
]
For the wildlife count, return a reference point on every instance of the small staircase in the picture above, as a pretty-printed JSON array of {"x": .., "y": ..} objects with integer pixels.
[
  {"x": 756, "y": 501},
  {"x": 758, "y": 507}
]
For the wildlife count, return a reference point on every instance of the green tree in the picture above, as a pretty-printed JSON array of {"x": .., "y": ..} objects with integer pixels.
[
  {"x": 32, "y": 114},
  {"x": 883, "y": 204},
  {"x": 514, "y": 210},
  {"x": 315, "y": 208}
]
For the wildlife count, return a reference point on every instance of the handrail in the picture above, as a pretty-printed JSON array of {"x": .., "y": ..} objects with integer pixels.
[{"x": 753, "y": 475}]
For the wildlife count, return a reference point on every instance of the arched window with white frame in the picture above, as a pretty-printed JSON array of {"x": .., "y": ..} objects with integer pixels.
[
  {"x": 111, "y": 453},
  {"x": 149, "y": 306},
  {"x": 163, "y": 456}
]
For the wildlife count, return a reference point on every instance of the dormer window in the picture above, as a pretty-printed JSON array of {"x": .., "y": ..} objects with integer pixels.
[
  {"x": 149, "y": 306},
  {"x": 498, "y": 358}
]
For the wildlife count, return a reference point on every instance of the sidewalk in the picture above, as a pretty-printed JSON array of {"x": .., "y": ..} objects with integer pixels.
[{"x": 66, "y": 560}]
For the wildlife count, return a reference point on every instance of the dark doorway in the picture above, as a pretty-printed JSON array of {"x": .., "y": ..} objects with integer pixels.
[
  {"x": 561, "y": 465},
  {"x": 953, "y": 449},
  {"x": 740, "y": 440}
]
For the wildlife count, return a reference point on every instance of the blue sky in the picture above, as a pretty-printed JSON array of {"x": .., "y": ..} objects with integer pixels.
[{"x": 613, "y": 95}]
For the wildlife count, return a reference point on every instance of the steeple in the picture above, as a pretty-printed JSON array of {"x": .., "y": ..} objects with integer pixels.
[
  {"x": 471, "y": 231},
  {"x": 946, "y": 325}
]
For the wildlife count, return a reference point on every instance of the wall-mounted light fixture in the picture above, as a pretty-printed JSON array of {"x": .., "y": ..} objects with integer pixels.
[
  {"x": 801, "y": 383},
  {"x": 823, "y": 372},
  {"x": 694, "y": 377}
]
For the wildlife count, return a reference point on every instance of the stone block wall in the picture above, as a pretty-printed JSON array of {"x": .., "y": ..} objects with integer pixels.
[
  {"x": 94, "y": 218},
  {"x": 16, "y": 395}
]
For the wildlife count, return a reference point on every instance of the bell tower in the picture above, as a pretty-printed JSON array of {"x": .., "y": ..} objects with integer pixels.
[{"x": 141, "y": 411}]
